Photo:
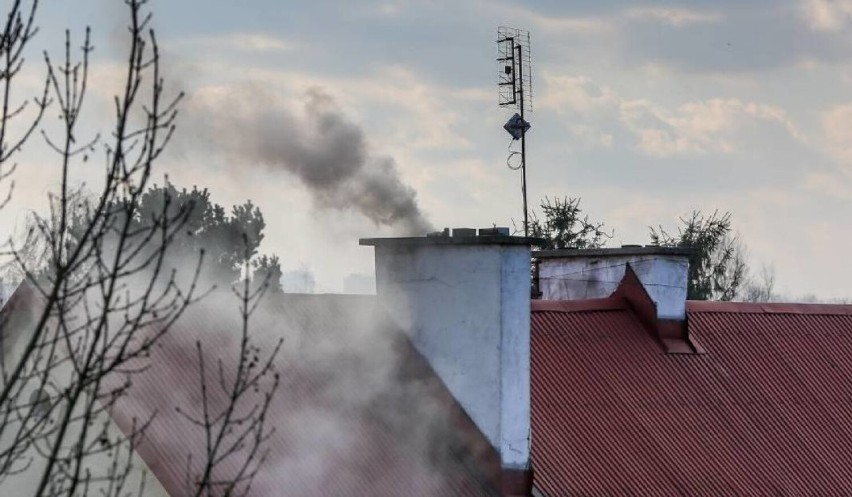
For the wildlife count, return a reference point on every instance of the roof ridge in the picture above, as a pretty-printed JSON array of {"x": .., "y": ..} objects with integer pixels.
[{"x": 812, "y": 309}]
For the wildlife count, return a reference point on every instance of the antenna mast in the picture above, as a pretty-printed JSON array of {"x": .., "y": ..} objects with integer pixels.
[{"x": 514, "y": 86}]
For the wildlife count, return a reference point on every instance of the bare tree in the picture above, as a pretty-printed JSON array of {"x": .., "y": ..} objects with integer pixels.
[
  {"x": 106, "y": 291},
  {"x": 234, "y": 426},
  {"x": 16, "y": 34},
  {"x": 762, "y": 287}
]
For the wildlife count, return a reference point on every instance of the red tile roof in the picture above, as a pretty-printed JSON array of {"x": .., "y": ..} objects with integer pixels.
[
  {"x": 358, "y": 411},
  {"x": 764, "y": 412}
]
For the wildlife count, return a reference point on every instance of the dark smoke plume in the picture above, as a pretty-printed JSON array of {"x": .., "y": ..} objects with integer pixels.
[{"x": 323, "y": 149}]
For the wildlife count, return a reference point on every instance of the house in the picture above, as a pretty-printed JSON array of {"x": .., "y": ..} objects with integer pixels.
[
  {"x": 357, "y": 411},
  {"x": 452, "y": 381},
  {"x": 637, "y": 391}
]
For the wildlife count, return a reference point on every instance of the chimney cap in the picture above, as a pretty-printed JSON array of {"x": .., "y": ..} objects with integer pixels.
[{"x": 451, "y": 240}]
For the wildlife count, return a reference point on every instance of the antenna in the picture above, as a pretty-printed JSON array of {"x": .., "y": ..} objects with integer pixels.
[{"x": 514, "y": 90}]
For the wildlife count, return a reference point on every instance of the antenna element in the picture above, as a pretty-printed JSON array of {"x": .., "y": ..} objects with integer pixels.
[{"x": 514, "y": 90}]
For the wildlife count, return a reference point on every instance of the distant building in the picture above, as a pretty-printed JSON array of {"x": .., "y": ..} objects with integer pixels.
[
  {"x": 298, "y": 281},
  {"x": 359, "y": 284}
]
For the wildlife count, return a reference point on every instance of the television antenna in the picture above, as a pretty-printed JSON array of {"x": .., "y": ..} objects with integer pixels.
[{"x": 514, "y": 90}]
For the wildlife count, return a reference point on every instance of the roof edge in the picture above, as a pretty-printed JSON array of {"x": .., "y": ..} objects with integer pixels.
[
  {"x": 585, "y": 305},
  {"x": 421, "y": 241},
  {"x": 699, "y": 306},
  {"x": 614, "y": 252}
]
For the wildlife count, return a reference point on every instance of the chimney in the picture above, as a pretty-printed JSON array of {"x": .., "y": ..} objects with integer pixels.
[
  {"x": 662, "y": 273},
  {"x": 574, "y": 274},
  {"x": 464, "y": 300}
]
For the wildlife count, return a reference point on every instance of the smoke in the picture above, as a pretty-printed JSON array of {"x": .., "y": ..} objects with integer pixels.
[
  {"x": 328, "y": 153},
  {"x": 357, "y": 412}
]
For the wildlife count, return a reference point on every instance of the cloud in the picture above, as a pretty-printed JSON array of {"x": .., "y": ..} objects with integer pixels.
[
  {"x": 701, "y": 37},
  {"x": 574, "y": 25},
  {"x": 612, "y": 22},
  {"x": 827, "y": 15},
  {"x": 837, "y": 135},
  {"x": 257, "y": 42},
  {"x": 555, "y": 24},
  {"x": 576, "y": 94},
  {"x": 431, "y": 119},
  {"x": 390, "y": 9},
  {"x": 698, "y": 127},
  {"x": 829, "y": 184},
  {"x": 836, "y": 142},
  {"x": 241, "y": 42},
  {"x": 591, "y": 137},
  {"x": 692, "y": 128},
  {"x": 673, "y": 15}
]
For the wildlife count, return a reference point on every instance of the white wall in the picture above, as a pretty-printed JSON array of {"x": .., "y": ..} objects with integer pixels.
[
  {"x": 515, "y": 374},
  {"x": 467, "y": 311},
  {"x": 664, "y": 277}
]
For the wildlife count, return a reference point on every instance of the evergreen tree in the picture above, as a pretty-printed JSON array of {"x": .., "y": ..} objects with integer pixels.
[{"x": 717, "y": 267}]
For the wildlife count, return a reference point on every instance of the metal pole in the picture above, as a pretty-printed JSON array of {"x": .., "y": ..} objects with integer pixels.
[{"x": 523, "y": 137}]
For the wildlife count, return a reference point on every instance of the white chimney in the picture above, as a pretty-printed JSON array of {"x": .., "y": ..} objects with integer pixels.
[
  {"x": 572, "y": 274},
  {"x": 465, "y": 302}
]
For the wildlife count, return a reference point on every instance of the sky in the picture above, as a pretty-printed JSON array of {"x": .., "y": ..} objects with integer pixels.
[{"x": 344, "y": 119}]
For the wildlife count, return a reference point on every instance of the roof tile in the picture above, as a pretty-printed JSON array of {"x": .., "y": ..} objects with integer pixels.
[
  {"x": 763, "y": 412},
  {"x": 358, "y": 411}
]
